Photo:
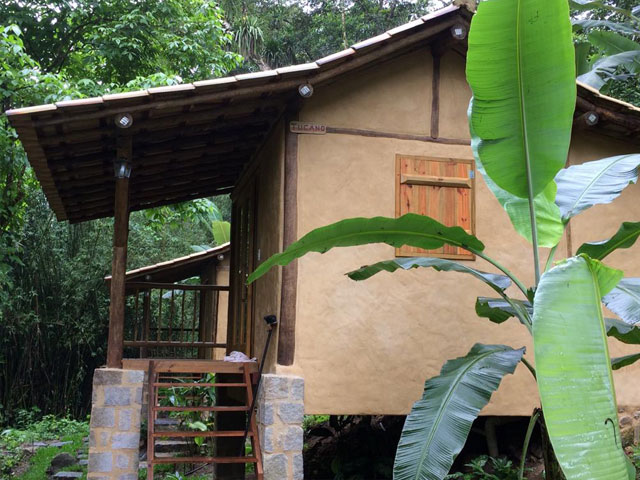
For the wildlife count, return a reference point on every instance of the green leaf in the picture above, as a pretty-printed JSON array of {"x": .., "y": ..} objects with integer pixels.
[
  {"x": 548, "y": 218},
  {"x": 582, "y": 57},
  {"x": 594, "y": 183},
  {"x": 437, "y": 427},
  {"x": 574, "y": 371},
  {"x": 624, "y": 300},
  {"x": 520, "y": 66},
  {"x": 604, "y": 69},
  {"x": 498, "y": 310},
  {"x": 495, "y": 281},
  {"x": 587, "y": 23},
  {"x": 613, "y": 43},
  {"x": 623, "y": 331},
  {"x": 619, "y": 362},
  {"x": 625, "y": 237},
  {"x": 410, "y": 229},
  {"x": 221, "y": 231}
]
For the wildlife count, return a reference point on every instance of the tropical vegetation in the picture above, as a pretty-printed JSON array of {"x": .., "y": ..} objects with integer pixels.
[{"x": 520, "y": 66}]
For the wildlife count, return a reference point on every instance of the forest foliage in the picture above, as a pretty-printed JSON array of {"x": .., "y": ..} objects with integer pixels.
[{"x": 53, "y": 302}]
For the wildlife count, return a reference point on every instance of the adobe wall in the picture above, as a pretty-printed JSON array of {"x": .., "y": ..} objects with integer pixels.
[{"x": 367, "y": 347}]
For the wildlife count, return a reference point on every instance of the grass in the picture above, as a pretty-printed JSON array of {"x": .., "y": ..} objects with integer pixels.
[
  {"x": 29, "y": 431},
  {"x": 41, "y": 460}
]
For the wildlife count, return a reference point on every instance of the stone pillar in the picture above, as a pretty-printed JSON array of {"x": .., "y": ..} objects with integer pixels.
[
  {"x": 114, "y": 438},
  {"x": 280, "y": 414}
]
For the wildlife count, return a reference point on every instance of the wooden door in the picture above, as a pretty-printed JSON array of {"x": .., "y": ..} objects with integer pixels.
[{"x": 243, "y": 235}]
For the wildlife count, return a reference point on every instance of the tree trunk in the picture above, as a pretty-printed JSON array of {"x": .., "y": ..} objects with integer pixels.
[{"x": 551, "y": 466}]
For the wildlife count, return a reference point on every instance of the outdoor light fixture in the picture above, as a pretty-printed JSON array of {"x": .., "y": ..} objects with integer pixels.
[
  {"x": 121, "y": 168},
  {"x": 305, "y": 90},
  {"x": 591, "y": 118},
  {"x": 459, "y": 31},
  {"x": 124, "y": 120}
]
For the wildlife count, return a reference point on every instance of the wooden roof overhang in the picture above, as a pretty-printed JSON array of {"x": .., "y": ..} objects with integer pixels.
[
  {"x": 176, "y": 269},
  {"x": 614, "y": 118},
  {"x": 188, "y": 141}
]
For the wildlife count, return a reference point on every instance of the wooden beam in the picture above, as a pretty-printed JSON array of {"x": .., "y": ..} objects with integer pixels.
[
  {"x": 435, "y": 94},
  {"x": 287, "y": 327},
  {"x": 400, "y": 136},
  {"x": 119, "y": 263}
]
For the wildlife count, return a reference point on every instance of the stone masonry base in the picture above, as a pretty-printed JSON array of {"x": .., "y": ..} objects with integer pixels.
[
  {"x": 280, "y": 414},
  {"x": 114, "y": 436}
]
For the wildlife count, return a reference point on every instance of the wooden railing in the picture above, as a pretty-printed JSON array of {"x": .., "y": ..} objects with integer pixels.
[{"x": 174, "y": 320}]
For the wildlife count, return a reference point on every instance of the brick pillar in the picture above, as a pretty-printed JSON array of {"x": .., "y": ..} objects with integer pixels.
[
  {"x": 280, "y": 414},
  {"x": 114, "y": 437}
]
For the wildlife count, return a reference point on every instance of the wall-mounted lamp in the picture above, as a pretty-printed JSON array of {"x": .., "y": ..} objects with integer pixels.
[
  {"x": 459, "y": 31},
  {"x": 305, "y": 90},
  {"x": 123, "y": 120},
  {"x": 121, "y": 168}
]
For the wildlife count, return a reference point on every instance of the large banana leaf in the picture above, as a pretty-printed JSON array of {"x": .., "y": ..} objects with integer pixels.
[
  {"x": 494, "y": 280},
  {"x": 520, "y": 66},
  {"x": 410, "y": 229},
  {"x": 437, "y": 427},
  {"x": 587, "y": 23},
  {"x": 499, "y": 310},
  {"x": 548, "y": 219},
  {"x": 613, "y": 43},
  {"x": 605, "y": 68},
  {"x": 625, "y": 237},
  {"x": 594, "y": 183},
  {"x": 619, "y": 362},
  {"x": 623, "y": 331},
  {"x": 574, "y": 371},
  {"x": 624, "y": 300}
]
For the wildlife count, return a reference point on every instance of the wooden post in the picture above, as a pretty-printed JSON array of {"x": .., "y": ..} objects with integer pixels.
[
  {"x": 119, "y": 263},
  {"x": 287, "y": 327},
  {"x": 435, "y": 92}
]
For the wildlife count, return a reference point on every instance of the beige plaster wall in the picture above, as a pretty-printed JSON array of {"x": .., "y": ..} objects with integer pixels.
[
  {"x": 266, "y": 294},
  {"x": 367, "y": 347}
]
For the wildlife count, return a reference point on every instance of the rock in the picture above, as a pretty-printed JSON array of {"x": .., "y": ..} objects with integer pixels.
[
  {"x": 68, "y": 475},
  {"x": 59, "y": 444},
  {"x": 625, "y": 421},
  {"x": 59, "y": 462}
]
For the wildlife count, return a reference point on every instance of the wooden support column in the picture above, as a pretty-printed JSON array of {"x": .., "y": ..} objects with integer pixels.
[
  {"x": 119, "y": 263},
  {"x": 287, "y": 327}
]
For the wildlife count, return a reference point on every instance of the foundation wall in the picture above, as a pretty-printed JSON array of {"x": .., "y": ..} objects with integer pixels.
[
  {"x": 280, "y": 415},
  {"x": 114, "y": 438}
]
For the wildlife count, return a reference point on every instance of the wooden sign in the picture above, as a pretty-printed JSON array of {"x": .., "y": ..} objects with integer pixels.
[{"x": 305, "y": 127}]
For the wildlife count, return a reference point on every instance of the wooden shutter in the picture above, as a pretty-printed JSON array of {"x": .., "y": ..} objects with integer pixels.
[{"x": 441, "y": 188}]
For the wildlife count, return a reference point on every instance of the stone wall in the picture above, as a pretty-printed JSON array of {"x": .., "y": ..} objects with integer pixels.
[
  {"x": 280, "y": 414},
  {"x": 114, "y": 437}
]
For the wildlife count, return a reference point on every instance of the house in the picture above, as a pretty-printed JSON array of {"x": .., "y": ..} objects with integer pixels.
[{"x": 304, "y": 146}]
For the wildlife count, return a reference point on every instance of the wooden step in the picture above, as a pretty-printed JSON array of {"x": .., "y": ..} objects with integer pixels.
[
  {"x": 205, "y": 460},
  {"x": 239, "y": 408},
  {"x": 186, "y": 385},
  {"x": 217, "y": 433}
]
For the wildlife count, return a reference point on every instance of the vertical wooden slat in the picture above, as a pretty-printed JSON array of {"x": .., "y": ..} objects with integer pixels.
[
  {"x": 146, "y": 314},
  {"x": 159, "y": 323},
  {"x": 184, "y": 296},
  {"x": 135, "y": 316},
  {"x": 195, "y": 313}
]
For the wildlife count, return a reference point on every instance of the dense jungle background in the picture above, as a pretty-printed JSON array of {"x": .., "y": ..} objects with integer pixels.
[{"x": 53, "y": 301}]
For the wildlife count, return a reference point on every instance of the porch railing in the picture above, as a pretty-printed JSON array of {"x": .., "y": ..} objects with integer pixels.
[{"x": 174, "y": 320}]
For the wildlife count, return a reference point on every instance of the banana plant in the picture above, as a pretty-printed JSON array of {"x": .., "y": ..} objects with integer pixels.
[{"x": 521, "y": 69}]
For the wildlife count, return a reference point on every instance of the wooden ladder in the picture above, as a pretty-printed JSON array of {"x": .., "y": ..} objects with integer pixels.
[{"x": 191, "y": 371}]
